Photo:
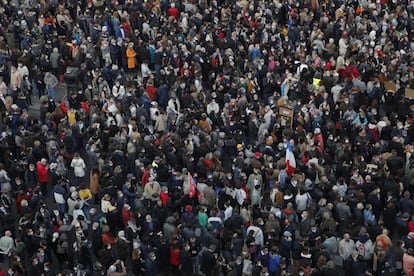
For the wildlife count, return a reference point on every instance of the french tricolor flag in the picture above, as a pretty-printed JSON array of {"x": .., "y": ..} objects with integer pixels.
[
  {"x": 290, "y": 159},
  {"x": 192, "y": 185}
]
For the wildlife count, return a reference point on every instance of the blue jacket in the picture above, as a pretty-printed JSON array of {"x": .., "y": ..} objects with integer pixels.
[
  {"x": 150, "y": 267},
  {"x": 285, "y": 248},
  {"x": 274, "y": 263},
  {"x": 162, "y": 94}
]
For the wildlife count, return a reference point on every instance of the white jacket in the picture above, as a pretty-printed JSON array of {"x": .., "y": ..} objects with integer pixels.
[{"x": 78, "y": 166}]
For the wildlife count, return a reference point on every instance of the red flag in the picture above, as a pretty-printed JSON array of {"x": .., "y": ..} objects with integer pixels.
[{"x": 192, "y": 185}]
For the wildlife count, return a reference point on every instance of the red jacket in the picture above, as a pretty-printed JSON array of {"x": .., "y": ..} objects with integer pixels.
[
  {"x": 63, "y": 107},
  {"x": 319, "y": 138},
  {"x": 173, "y": 11},
  {"x": 152, "y": 92},
  {"x": 107, "y": 238},
  {"x": 411, "y": 226},
  {"x": 42, "y": 174},
  {"x": 85, "y": 106},
  {"x": 126, "y": 215},
  {"x": 175, "y": 256},
  {"x": 350, "y": 72},
  {"x": 164, "y": 198},
  {"x": 19, "y": 200},
  {"x": 145, "y": 177}
]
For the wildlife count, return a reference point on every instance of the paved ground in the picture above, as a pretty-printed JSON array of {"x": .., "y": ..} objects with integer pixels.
[{"x": 60, "y": 94}]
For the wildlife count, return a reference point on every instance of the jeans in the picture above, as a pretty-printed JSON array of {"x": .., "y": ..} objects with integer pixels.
[
  {"x": 196, "y": 264},
  {"x": 62, "y": 207},
  {"x": 78, "y": 180},
  {"x": 51, "y": 92},
  {"x": 86, "y": 208},
  {"x": 35, "y": 91}
]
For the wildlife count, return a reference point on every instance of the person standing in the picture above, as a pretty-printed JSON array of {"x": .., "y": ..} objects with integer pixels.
[
  {"x": 15, "y": 79},
  {"x": 42, "y": 175},
  {"x": 175, "y": 261},
  {"x": 55, "y": 60},
  {"x": 51, "y": 81},
  {"x": 60, "y": 195},
  {"x": 94, "y": 184},
  {"x": 151, "y": 265},
  {"x": 346, "y": 246},
  {"x": 6, "y": 245},
  {"x": 208, "y": 260},
  {"x": 78, "y": 166},
  {"x": 131, "y": 56},
  {"x": 408, "y": 261},
  {"x": 186, "y": 260},
  {"x": 85, "y": 195}
]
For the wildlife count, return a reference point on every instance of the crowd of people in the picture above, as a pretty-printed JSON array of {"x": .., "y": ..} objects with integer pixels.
[{"x": 207, "y": 137}]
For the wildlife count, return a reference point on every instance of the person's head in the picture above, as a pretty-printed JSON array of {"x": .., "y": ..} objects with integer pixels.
[
  {"x": 186, "y": 246},
  {"x": 40, "y": 252},
  {"x": 347, "y": 237},
  {"x": 326, "y": 215},
  {"x": 105, "y": 228},
  {"x": 152, "y": 256}
]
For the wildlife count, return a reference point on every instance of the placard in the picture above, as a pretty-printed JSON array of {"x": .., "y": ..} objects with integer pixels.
[
  {"x": 409, "y": 93},
  {"x": 286, "y": 114},
  {"x": 286, "y": 111},
  {"x": 390, "y": 86}
]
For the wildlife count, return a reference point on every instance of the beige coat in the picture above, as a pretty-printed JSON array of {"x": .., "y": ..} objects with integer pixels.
[
  {"x": 152, "y": 190},
  {"x": 210, "y": 196},
  {"x": 15, "y": 80},
  {"x": 161, "y": 123},
  {"x": 339, "y": 13},
  {"x": 94, "y": 185}
]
